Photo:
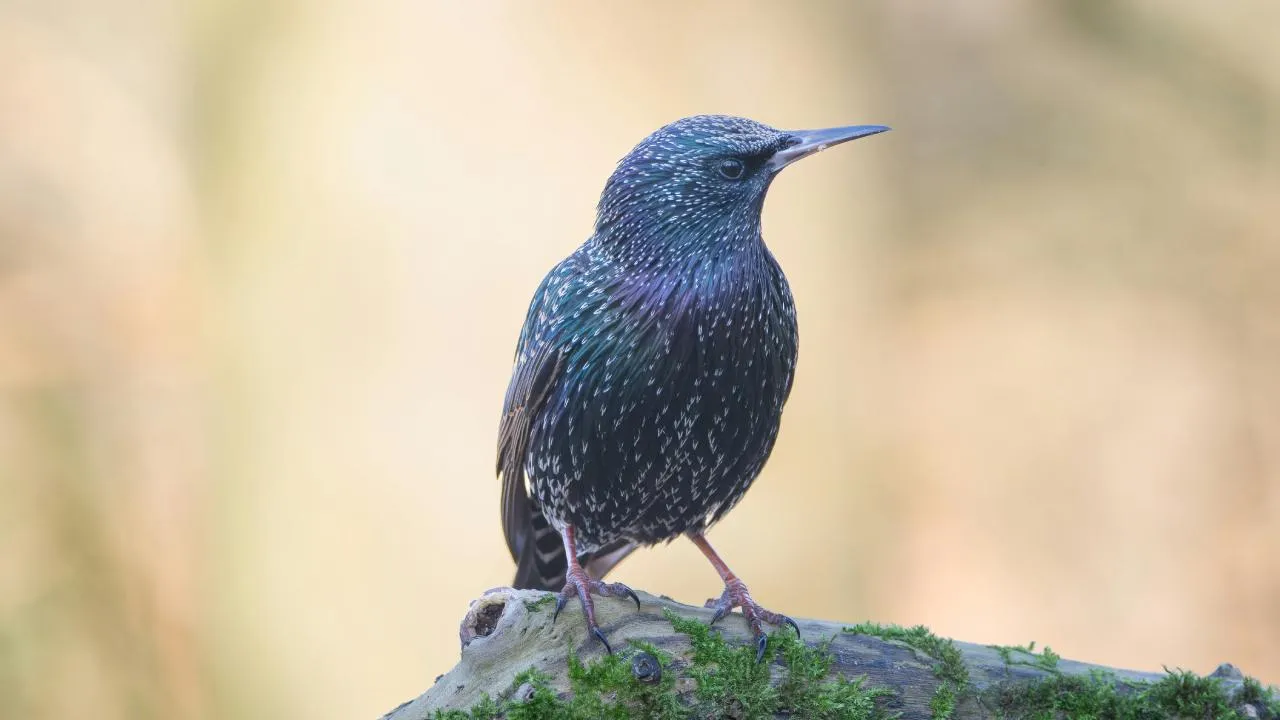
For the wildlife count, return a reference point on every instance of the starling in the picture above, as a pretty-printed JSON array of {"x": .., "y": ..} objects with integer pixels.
[{"x": 654, "y": 364}]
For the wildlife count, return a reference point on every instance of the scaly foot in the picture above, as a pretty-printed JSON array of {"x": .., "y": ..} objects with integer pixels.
[
  {"x": 577, "y": 582},
  {"x": 736, "y": 596}
]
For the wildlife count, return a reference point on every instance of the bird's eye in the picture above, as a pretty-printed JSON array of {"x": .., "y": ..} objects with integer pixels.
[{"x": 732, "y": 168}]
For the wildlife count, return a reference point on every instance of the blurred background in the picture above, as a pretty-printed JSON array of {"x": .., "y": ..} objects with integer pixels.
[{"x": 263, "y": 265}]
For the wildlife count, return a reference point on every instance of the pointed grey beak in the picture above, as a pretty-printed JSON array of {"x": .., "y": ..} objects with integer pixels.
[{"x": 804, "y": 143}]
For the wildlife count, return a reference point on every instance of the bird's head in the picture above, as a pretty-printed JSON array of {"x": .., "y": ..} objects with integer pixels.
[{"x": 702, "y": 180}]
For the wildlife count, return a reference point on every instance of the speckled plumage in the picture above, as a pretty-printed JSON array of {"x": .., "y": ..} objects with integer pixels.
[{"x": 655, "y": 361}]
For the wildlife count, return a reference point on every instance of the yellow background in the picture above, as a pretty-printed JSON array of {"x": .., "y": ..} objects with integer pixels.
[{"x": 263, "y": 264}]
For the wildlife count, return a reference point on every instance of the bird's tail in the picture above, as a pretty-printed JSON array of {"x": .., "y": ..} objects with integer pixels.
[
  {"x": 540, "y": 560},
  {"x": 542, "y": 563}
]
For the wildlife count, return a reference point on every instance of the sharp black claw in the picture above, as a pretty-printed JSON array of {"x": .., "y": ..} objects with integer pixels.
[
  {"x": 560, "y": 601},
  {"x": 632, "y": 594},
  {"x": 600, "y": 636},
  {"x": 793, "y": 625},
  {"x": 761, "y": 643},
  {"x": 720, "y": 613}
]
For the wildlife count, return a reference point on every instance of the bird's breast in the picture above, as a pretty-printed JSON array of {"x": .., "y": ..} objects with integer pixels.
[
  {"x": 685, "y": 369},
  {"x": 670, "y": 400}
]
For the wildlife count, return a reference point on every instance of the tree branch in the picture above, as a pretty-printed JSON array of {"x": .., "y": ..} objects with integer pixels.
[{"x": 909, "y": 672}]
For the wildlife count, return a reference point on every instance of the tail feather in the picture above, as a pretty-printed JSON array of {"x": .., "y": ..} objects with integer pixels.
[{"x": 541, "y": 563}]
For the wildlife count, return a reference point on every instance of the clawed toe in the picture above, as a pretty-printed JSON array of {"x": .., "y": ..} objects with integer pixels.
[
  {"x": 600, "y": 636},
  {"x": 721, "y": 611},
  {"x": 579, "y": 584},
  {"x": 617, "y": 590},
  {"x": 560, "y": 603},
  {"x": 736, "y": 596},
  {"x": 793, "y": 624}
]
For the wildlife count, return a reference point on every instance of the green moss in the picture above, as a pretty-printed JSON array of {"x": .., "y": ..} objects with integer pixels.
[
  {"x": 602, "y": 689},
  {"x": 805, "y": 693},
  {"x": 728, "y": 679},
  {"x": 1094, "y": 696},
  {"x": 1179, "y": 694},
  {"x": 1265, "y": 699},
  {"x": 1189, "y": 695},
  {"x": 948, "y": 665},
  {"x": 731, "y": 683},
  {"x": 542, "y": 703},
  {"x": 486, "y": 709},
  {"x": 728, "y": 683},
  {"x": 536, "y": 605},
  {"x": 608, "y": 688},
  {"x": 943, "y": 702},
  {"x": 1046, "y": 660}
]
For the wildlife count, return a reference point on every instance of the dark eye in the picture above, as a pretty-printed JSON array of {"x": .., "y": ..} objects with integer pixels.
[{"x": 732, "y": 168}]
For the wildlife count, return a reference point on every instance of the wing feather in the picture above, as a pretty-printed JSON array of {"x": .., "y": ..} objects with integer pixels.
[{"x": 530, "y": 387}]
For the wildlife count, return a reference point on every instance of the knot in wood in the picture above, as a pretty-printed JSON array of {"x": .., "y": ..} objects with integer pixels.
[{"x": 646, "y": 668}]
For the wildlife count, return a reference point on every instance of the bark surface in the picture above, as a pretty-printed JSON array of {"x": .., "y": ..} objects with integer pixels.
[{"x": 509, "y": 631}]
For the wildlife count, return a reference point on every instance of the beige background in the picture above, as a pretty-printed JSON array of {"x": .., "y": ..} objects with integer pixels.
[{"x": 262, "y": 266}]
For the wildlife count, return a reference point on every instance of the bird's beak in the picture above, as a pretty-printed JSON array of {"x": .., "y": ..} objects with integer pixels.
[{"x": 804, "y": 143}]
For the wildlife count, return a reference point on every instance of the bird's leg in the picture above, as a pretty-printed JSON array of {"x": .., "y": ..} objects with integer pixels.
[
  {"x": 736, "y": 595},
  {"x": 578, "y": 582}
]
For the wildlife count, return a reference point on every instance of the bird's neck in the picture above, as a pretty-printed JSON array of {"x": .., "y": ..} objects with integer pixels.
[
  {"x": 688, "y": 275},
  {"x": 676, "y": 245}
]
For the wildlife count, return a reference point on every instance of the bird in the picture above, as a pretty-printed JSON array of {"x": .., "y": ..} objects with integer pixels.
[{"x": 653, "y": 366}]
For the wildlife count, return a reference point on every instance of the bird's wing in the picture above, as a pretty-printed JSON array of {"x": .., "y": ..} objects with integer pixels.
[
  {"x": 535, "y": 545},
  {"x": 530, "y": 538}
]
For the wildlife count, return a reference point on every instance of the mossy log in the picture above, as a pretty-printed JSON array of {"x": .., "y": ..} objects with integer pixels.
[{"x": 909, "y": 673}]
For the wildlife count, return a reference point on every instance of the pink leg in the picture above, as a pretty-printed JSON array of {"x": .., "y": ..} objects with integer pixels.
[
  {"x": 577, "y": 582},
  {"x": 737, "y": 595}
]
